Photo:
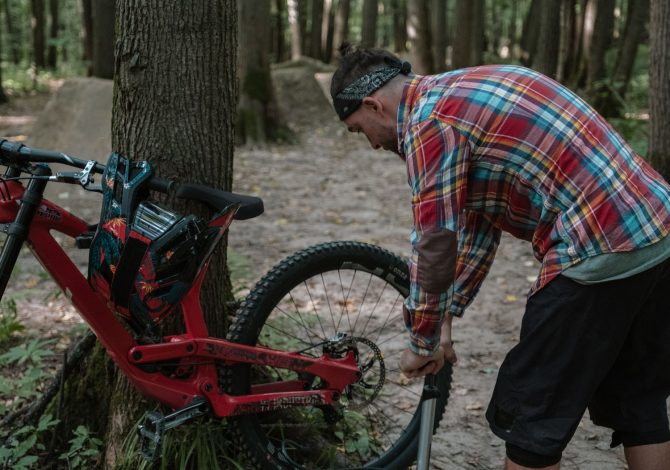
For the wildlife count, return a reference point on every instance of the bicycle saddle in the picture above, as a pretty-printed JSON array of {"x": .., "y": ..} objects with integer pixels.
[{"x": 250, "y": 206}]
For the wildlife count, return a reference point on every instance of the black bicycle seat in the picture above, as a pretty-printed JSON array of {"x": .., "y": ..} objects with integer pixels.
[{"x": 250, "y": 206}]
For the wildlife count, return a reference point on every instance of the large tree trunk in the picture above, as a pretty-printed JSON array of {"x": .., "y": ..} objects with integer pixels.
[
  {"x": 568, "y": 48},
  {"x": 103, "y": 15},
  {"x": 296, "y": 33},
  {"x": 341, "y": 32},
  {"x": 254, "y": 120},
  {"x": 601, "y": 42},
  {"x": 37, "y": 8},
  {"x": 52, "y": 53},
  {"x": 174, "y": 105},
  {"x": 399, "y": 11},
  {"x": 638, "y": 13},
  {"x": 369, "y": 27},
  {"x": 531, "y": 32},
  {"x": 278, "y": 32},
  {"x": 512, "y": 30},
  {"x": 438, "y": 34},
  {"x": 87, "y": 30},
  {"x": 586, "y": 24},
  {"x": 546, "y": 57},
  {"x": 315, "y": 32},
  {"x": 327, "y": 26},
  {"x": 3, "y": 95},
  {"x": 13, "y": 34},
  {"x": 469, "y": 34},
  {"x": 418, "y": 32},
  {"x": 659, "y": 87}
]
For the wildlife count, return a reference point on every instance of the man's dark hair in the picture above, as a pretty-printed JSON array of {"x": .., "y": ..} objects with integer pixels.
[{"x": 356, "y": 62}]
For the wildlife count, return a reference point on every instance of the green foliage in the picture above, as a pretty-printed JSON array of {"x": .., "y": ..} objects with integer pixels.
[
  {"x": 84, "y": 449},
  {"x": 195, "y": 445},
  {"x": 240, "y": 270},
  {"x": 9, "y": 323},
  {"x": 31, "y": 353},
  {"x": 20, "y": 448}
]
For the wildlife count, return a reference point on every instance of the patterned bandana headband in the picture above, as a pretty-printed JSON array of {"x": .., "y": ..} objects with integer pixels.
[{"x": 350, "y": 99}]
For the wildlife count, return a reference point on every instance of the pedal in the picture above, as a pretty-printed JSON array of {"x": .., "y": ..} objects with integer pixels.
[{"x": 154, "y": 424}]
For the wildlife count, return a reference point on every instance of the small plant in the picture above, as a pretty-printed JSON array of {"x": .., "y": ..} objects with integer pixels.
[
  {"x": 31, "y": 353},
  {"x": 84, "y": 449},
  {"x": 9, "y": 323},
  {"x": 19, "y": 449}
]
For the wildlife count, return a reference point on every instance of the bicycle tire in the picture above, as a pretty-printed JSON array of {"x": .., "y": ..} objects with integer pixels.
[{"x": 253, "y": 325}]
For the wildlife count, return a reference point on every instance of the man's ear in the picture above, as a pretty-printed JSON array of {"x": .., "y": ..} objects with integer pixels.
[{"x": 372, "y": 104}]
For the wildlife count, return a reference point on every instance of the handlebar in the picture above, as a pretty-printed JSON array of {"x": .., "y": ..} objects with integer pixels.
[{"x": 17, "y": 153}]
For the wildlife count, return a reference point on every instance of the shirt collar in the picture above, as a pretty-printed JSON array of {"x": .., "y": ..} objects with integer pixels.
[{"x": 409, "y": 96}]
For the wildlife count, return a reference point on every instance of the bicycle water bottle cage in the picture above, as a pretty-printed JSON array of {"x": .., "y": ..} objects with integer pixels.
[{"x": 144, "y": 257}]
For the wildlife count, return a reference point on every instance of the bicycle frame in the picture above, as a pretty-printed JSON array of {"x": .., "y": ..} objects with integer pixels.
[{"x": 194, "y": 349}]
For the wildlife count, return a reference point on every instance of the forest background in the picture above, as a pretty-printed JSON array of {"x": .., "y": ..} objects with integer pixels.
[{"x": 614, "y": 53}]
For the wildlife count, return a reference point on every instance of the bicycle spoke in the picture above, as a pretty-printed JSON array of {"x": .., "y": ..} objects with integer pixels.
[
  {"x": 314, "y": 307},
  {"x": 297, "y": 310},
  {"x": 370, "y": 315},
  {"x": 325, "y": 291},
  {"x": 360, "y": 309}
]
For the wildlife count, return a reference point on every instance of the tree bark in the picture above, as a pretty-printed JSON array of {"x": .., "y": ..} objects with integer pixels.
[
  {"x": 103, "y": 38},
  {"x": 418, "y": 32},
  {"x": 37, "y": 7},
  {"x": 3, "y": 95},
  {"x": 468, "y": 43},
  {"x": 369, "y": 27},
  {"x": 52, "y": 54},
  {"x": 438, "y": 34},
  {"x": 586, "y": 24},
  {"x": 294, "y": 24},
  {"x": 546, "y": 57},
  {"x": 341, "y": 32},
  {"x": 13, "y": 34},
  {"x": 659, "y": 87},
  {"x": 317, "y": 27},
  {"x": 637, "y": 16},
  {"x": 399, "y": 11},
  {"x": 174, "y": 105},
  {"x": 87, "y": 23},
  {"x": 512, "y": 31},
  {"x": 254, "y": 120},
  {"x": 601, "y": 42},
  {"x": 531, "y": 32},
  {"x": 327, "y": 31},
  {"x": 568, "y": 40}
]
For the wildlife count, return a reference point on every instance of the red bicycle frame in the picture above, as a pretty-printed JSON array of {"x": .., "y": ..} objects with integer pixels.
[{"x": 194, "y": 349}]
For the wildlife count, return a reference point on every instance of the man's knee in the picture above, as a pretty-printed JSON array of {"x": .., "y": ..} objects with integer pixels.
[{"x": 530, "y": 459}]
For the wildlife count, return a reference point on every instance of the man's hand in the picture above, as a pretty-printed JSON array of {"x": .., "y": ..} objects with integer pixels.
[{"x": 413, "y": 365}]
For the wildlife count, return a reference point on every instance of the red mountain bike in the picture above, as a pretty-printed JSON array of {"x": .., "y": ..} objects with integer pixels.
[{"x": 308, "y": 370}]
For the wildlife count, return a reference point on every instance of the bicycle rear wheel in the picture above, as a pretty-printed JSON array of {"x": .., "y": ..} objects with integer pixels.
[{"x": 340, "y": 287}]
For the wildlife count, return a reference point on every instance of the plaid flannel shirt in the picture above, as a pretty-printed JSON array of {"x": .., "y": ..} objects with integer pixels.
[{"x": 503, "y": 148}]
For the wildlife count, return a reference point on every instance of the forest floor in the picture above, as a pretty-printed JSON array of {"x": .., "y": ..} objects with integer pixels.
[{"x": 329, "y": 185}]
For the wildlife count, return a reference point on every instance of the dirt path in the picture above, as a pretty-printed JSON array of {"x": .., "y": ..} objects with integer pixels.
[{"x": 332, "y": 186}]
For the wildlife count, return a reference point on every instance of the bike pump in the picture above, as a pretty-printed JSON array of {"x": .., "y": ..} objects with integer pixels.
[{"x": 428, "y": 403}]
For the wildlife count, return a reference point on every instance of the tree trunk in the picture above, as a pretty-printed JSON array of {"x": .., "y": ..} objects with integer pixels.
[
  {"x": 327, "y": 31},
  {"x": 13, "y": 34},
  {"x": 37, "y": 8},
  {"x": 531, "y": 32},
  {"x": 341, "y": 32},
  {"x": 87, "y": 23},
  {"x": 587, "y": 25},
  {"x": 601, "y": 42},
  {"x": 52, "y": 53},
  {"x": 468, "y": 41},
  {"x": 418, "y": 32},
  {"x": 399, "y": 11},
  {"x": 294, "y": 23},
  {"x": 174, "y": 105},
  {"x": 546, "y": 58},
  {"x": 278, "y": 32},
  {"x": 638, "y": 14},
  {"x": 254, "y": 120},
  {"x": 496, "y": 28},
  {"x": 512, "y": 31},
  {"x": 568, "y": 40},
  {"x": 103, "y": 15},
  {"x": 317, "y": 27},
  {"x": 3, "y": 95},
  {"x": 369, "y": 27},
  {"x": 438, "y": 34},
  {"x": 659, "y": 87}
]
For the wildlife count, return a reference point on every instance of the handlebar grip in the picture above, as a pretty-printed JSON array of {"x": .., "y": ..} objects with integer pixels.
[
  {"x": 160, "y": 184},
  {"x": 10, "y": 150}
]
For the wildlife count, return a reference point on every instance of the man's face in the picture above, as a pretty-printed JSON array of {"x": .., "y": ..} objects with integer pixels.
[{"x": 378, "y": 127}]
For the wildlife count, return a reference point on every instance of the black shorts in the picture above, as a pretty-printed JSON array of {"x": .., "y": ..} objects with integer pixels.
[{"x": 605, "y": 347}]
